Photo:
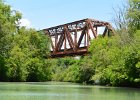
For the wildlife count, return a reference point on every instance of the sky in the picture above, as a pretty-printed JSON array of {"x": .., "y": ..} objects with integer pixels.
[{"x": 41, "y": 14}]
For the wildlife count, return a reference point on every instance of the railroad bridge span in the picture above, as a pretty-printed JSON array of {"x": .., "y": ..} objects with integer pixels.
[{"x": 74, "y": 38}]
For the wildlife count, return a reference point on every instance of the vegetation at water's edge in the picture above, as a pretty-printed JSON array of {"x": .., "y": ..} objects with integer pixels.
[{"x": 115, "y": 61}]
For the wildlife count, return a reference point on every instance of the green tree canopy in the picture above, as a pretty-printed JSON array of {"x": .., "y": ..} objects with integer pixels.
[
  {"x": 22, "y": 51},
  {"x": 133, "y": 14}
]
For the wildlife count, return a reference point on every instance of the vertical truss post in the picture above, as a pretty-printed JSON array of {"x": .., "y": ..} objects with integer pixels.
[
  {"x": 75, "y": 40},
  {"x": 88, "y": 37},
  {"x": 56, "y": 41},
  {"x": 85, "y": 39},
  {"x": 65, "y": 40}
]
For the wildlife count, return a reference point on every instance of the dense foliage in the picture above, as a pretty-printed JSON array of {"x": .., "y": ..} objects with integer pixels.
[
  {"x": 117, "y": 60},
  {"x": 73, "y": 70},
  {"x": 22, "y": 50},
  {"x": 133, "y": 14}
]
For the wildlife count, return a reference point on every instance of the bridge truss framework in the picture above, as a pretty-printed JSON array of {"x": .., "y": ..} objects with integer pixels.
[{"x": 74, "y": 38}]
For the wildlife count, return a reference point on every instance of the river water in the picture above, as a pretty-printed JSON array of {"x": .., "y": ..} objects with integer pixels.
[{"x": 64, "y": 91}]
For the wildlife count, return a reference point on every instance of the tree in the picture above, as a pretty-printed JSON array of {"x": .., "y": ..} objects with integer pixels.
[
  {"x": 8, "y": 27},
  {"x": 133, "y": 14},
  {"x": 22, "y": 51},
  {"x": 27, "y": 56},
  {"x": 116, "y": 62}
]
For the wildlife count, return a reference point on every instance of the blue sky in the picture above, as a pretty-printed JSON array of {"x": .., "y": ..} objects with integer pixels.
[{"x": 42, "y": 14}]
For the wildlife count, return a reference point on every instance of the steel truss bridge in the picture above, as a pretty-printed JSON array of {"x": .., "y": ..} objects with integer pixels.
[{"x": 74, "y": 38}]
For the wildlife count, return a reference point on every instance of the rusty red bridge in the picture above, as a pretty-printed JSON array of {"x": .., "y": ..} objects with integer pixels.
[{"x": 74, "y": 38}]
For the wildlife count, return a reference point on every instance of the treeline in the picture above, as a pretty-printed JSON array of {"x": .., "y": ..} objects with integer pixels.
[{"x": 115, "y": 61}]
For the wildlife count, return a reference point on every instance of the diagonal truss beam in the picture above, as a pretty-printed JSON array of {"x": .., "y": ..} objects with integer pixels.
[
  {"x": 60, "y": 42},
  {"x": 81, "y": 36},
  {"x": 69, "y": 38}
]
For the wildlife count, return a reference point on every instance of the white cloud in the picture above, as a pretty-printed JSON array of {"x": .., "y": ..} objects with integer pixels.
[{"x": 25, "y": 22}]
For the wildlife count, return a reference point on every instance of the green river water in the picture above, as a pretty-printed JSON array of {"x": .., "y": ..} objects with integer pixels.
[{"x": 64, "y": 91}]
